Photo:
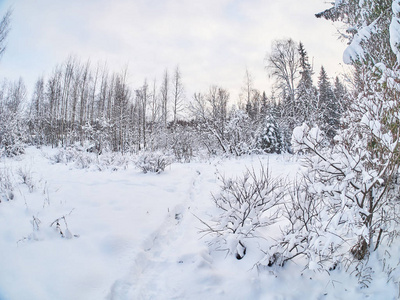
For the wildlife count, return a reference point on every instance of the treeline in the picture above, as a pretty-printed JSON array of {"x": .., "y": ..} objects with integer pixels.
[{"x": 87, "y": 104}]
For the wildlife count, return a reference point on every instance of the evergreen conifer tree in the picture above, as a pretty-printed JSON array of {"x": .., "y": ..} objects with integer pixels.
[
  {"x": 306, "y": 98},
  {"x": 328, "y": 106}
]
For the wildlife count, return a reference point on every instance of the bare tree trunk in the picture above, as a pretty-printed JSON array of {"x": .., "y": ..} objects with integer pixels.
[
  {"x": 178, "y": 95},
  {"x": 164, "y": 99}
]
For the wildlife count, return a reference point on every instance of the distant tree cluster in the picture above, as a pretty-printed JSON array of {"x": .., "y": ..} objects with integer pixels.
[
  {"x": 297, "y": 99},
  {"x": 86, "y": 104}
]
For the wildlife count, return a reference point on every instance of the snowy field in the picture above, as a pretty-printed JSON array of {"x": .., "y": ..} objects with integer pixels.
[{"x": 116, "y": 233}]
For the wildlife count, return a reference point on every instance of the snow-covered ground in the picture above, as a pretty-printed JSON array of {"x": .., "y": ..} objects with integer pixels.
[{"x": 129, "y": 235}]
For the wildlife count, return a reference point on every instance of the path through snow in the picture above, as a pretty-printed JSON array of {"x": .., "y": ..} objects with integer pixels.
[{"x": 135, "y": 236}]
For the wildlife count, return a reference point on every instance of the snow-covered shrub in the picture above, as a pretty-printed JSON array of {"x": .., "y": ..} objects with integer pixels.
[
  {"x": 82, "y": 159},
  {"x": 246, "y": 203},
  {"x": 303, "y": 138},
  {"x": 75, "y": 154},
  {"x": 269, "y": 138},
  {"x": 12, "y": 134},
  {"x": 182, "y": 142},
  {"x": 13, "y": 129},
  {"x": 307, "y": 231},
  {"x": 356, "y": 179},
  {"x": 99, "y": 134},
  {"x": 360, "y": 173},
  {"x": 154, "y": 162},
  {"x": 113, "y": 160},
  {"x": 14, "y": 148},
  {"x": 220, "y": 131},
  {"x": 62, "y": 155},
  {"x": 57, "y": 158},
  {"x": 6, "y": 185},
  {"x": 239, "y": 136},
  {"x": 26, "y": 177}
]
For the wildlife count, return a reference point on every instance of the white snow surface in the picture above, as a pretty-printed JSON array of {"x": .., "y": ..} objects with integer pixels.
[
  {"x": 355, "y": 49},
  {"x": 136, "y": 236},
  {"x": 338, "y": 2}
]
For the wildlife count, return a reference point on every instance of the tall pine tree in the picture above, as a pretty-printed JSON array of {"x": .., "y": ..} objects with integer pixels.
[
  {"x": 328, "y": 106},
  {"x": 306, "y": 95}
]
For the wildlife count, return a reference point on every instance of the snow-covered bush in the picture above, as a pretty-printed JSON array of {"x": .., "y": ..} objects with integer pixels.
[
  {"x": 246, "y": 203},
  {"x": 82, "y": 159},
  {"x": 99, "y": 134},
  {"x": 182, "y": 141},
  {"x": 239, "y": 136},
  {"x": 309, "y": 230},
  {"x": 303, "y": 138},
  {"x": 26, "y": 177},
  {"x": 13, "y": 144},
  {"x": 357, "y": 178},
  {"x": 113, "y": 160},
  {"x": 6, "y": 185},
  {"x": 12, "y": 134},
  {"x": 62, "y": 156},
  {"x": 152, "y": 162},
  {"x": 13, "y": 129}
]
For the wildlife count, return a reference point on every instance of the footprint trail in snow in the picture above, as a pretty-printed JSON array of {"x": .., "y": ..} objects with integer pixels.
[{"x": 161, "y": 269}]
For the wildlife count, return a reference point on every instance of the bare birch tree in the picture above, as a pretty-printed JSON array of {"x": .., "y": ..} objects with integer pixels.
[
  {"x": 178, "y": 94},
  {"x": 164, "y": 90}
]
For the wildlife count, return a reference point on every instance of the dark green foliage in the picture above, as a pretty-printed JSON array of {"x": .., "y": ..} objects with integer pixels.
[
  {"x": 269, "y": 139},
  {"x": 328, "y": 106},
  {"x": 306, "y": 94}
]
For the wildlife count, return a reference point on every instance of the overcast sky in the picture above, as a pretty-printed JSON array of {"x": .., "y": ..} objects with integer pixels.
[{"x": 212, "y": 41}]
